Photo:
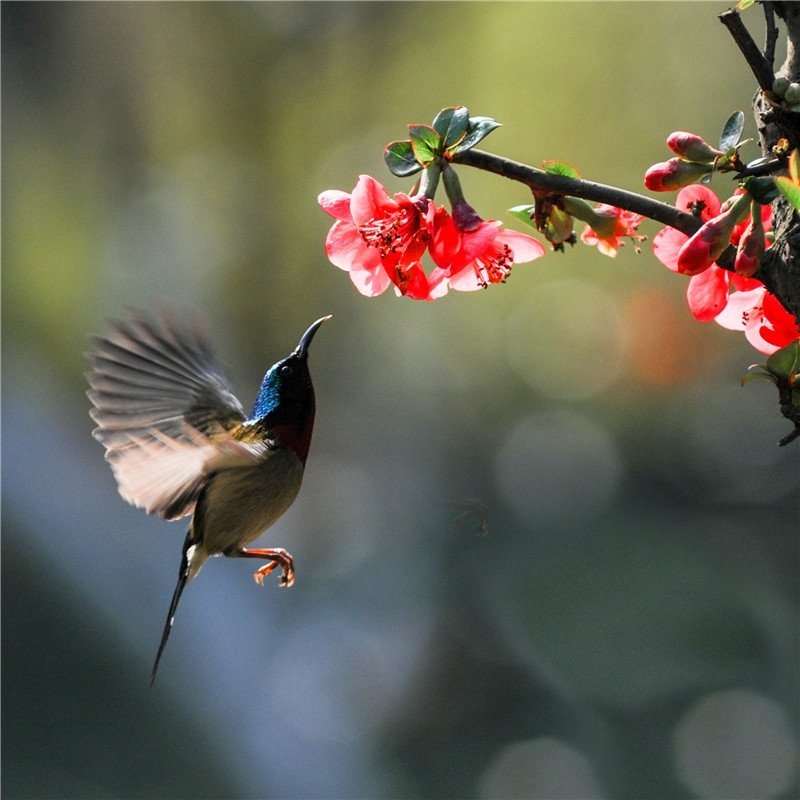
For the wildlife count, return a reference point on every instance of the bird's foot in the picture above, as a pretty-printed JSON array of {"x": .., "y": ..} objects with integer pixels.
[{"x": 278, "y": 557}]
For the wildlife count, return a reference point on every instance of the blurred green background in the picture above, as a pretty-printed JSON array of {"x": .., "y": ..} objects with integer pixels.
[{"x": 628, "y": 628}]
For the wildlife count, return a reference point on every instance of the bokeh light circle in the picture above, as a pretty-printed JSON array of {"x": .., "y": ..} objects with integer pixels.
[
  {"x": 557, "y": 466},
  {"x": 540, "y": 768},
  {"x": 567, "y": 340},
  {"x": 735, "y": 744}
]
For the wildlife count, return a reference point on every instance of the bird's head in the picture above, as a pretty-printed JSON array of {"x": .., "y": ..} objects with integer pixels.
[{"x": 285, "y": 402}]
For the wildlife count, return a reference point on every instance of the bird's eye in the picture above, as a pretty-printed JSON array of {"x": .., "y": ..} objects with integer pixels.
[{"x": 284, "y": 369}]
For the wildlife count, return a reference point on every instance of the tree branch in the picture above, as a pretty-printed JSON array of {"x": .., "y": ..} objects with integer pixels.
[
  {"x": 539, "y": 180},
  {"x": 771, "y": 36},
  {"x": 761, "y": 68}
]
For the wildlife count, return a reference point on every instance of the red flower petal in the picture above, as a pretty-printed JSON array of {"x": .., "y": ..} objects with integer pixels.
[
  {"x": 697, "y": 193},
  {"x": 347, "y": 250},
  {"x": 667, "y": 243},
  {"x": 337, "y": 204},
  {"x": 707, "y": 293}
]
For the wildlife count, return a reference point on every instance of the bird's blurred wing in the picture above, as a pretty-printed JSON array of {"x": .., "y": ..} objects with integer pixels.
[
  {"x": 156, "y": 373},
  {"x": 155, "y": 386},
  {"x": 165, "y": 475}
]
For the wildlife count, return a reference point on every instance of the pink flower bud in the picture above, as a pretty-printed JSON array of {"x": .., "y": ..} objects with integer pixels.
[
  {"x": 709, "y": 243},
  {"x": 674, "y": 174},
  {"x": 692, "y": 147},
  {"x": 751, "y": 246}
]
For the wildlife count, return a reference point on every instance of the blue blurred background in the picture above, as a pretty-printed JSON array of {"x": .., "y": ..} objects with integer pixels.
[{"x": 627, "y": 627}]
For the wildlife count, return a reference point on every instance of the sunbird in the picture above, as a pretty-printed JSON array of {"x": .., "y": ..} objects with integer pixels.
[{"x": 179, "y": 442}]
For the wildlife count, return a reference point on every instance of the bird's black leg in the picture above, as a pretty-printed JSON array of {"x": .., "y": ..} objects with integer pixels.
[{"x": 277, "y": 556}]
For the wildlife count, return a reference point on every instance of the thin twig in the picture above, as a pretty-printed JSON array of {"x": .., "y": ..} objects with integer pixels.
[
  {"x": 761, "y": 68},
  {"x": 771, "y": 37}
]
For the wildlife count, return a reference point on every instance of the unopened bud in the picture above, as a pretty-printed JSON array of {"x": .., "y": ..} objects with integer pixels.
[
  {"x": 674, "y": 174},
  {"x": 792, "y": 94},
  {"x": 709, "y": 243},
  {"x": 692, "y": 147},
  {"x": 779, "y": 86},
  {"x": 751, "y": 245}
]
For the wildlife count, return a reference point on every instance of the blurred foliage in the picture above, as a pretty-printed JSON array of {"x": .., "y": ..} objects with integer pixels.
[{"x": 642, "y": 526}]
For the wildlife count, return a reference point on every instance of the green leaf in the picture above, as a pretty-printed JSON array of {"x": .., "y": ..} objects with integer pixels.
[
  {"x": 525, "y": 213},
  {"x": 762, "y": 189},
  {"x": 560, "y": 168},
  {"x": 791, "y": 191},
  {"x": 399, "y": 157},
  {"x": 451, "y": 124},
  {"x": 784, "y": 363},
  {"x": 743, "y": 4},
  {"x": 732, "y": 131},
  {"x": 756, "y": 376},
  {"x": 478, "y": 128},
  {"x": 425, "y": 142}
]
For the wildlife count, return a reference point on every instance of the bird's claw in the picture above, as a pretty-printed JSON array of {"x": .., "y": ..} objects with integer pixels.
[{"x": 279, "y": 558}]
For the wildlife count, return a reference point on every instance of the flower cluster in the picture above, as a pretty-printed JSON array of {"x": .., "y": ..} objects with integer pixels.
[
  {"x": 735, "y": 300},
  {"x": 380, "y": 240}
]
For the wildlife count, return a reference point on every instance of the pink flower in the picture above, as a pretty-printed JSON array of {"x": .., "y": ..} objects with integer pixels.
[
  {"x": 708, "y": 292},
  {"x": 735, "y": 301},
  {"x": 378, "y": 239},
  {"x": 472, "y": 259},
  {"x": 669, "y": 242},
  {"x": 612, "y": 225},
  {"x": 767, "y": 325}
]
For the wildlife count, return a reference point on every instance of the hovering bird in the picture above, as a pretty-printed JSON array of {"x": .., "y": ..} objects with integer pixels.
[{"x": 179, "y": 442}]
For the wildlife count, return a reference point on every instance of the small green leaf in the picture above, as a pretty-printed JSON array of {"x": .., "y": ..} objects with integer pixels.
[
  {"x": 791, "y": 191},
  {"x": 425, "y": 142},
  {"x": 743, "y": 4},
  {"x": 756, "y": 376},
  {"x": 761, "y": 189},
  {"x": 399, "y": 157},
  {"x": 451, "y": 124},
  {"x": 732, "y": 131},
  {"x": 525, "y": 213},
  {"x": 478, "y": 128},
  {"x": 784, "y": 362},
  {"x": 560, "y": 168}
]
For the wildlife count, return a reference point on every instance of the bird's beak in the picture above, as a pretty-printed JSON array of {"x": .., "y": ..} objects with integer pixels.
[{"x": 305, "y": 341}]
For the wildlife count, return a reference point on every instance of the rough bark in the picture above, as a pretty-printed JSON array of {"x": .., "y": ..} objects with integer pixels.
[{"x": 780, "y": 267}]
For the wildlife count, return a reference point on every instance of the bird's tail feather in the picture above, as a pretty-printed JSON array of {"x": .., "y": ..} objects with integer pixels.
[{"x": 183, "y": 578}]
